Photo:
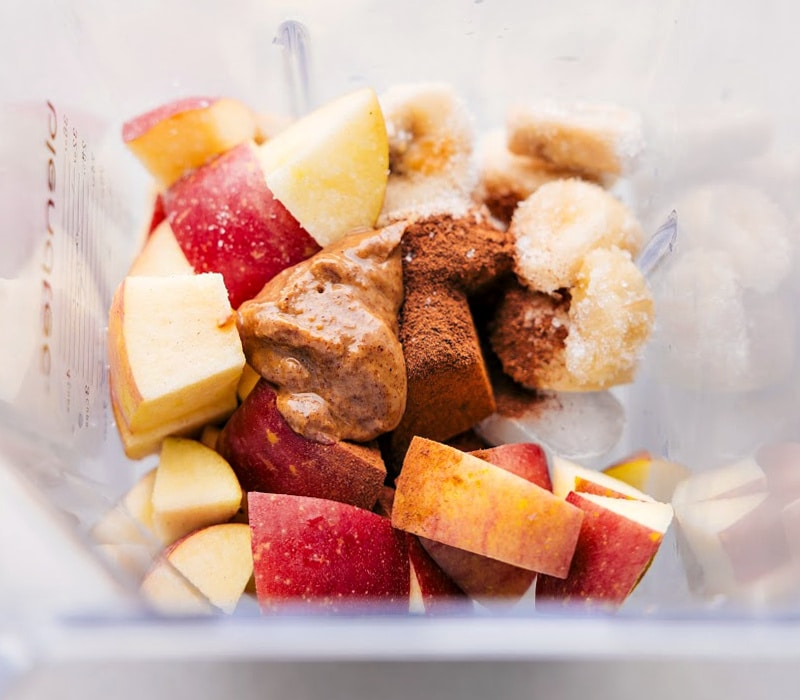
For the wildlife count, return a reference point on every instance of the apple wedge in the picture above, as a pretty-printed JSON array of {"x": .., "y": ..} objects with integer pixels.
[
  {"x": 432, "y": 590},
  {"x": 249, "y": 379},
  {"x": 267, "y": 455},
  {"x": 330, "y": 168},
  {"x": 525, "y": 459},
  {"x": 206, "y": 570},
  {"x": 161, "y": 255},
  {"x": 180, "y": 136},
  {"x": 194, "y": 488},
  {"x": 146, "y": 442},
  {"x": 226, "y": 219},
  {"x": 174, "y": 354},
  {"x": 658, "y": 478},
  {"x": 130, "y": 521},
  {"x": 322, "y": 554},
  {"x": 452, "y": 497},
  {"x": 740, "y": 478},
  {"x": 708, "y": 530},
  {"x": 618, "y": 540},
  {"x": 488, "y": 581},
  {"x": 568, "y": 476}
]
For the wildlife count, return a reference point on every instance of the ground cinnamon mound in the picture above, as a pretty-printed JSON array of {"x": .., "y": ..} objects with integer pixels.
[
  {"x": 528, "y": 335},
  {"x": 448, "y": 386},
  {"x": 466, "y": 253},
  {"x": 446, "y": 260}
]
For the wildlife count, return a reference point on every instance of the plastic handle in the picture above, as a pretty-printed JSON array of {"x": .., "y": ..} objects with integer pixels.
[
  {"x": 293, "y": 37},
  {"x": 660, "y": 246}
]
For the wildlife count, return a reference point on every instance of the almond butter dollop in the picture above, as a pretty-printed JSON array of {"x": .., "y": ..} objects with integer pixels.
[{"x": 325, "y": 333}]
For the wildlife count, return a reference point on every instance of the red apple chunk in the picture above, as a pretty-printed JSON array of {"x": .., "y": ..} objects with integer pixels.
[{"x": 317, "y": 553}]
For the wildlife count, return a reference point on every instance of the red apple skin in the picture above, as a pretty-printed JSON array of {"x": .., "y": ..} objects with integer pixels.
[
  {"x": 480, "y": 577},
  {"x": 585, "y": 486},
  {"x": 311, "y": 552},
  {"x": 483, "y": 579},
  {"x": 439, "y": 592},
  {"x": 612, "y": 554},
  {"x": 159, "y": 214},
  {"x": 525, "y": 459},
  {"x": 267, "y": 455},
  {"x": 226, "y": 220},
  {"x": 142, "y": 123}
]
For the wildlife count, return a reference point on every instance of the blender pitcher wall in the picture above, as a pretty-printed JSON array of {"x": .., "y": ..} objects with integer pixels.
[{"x": 708, "y": 78}]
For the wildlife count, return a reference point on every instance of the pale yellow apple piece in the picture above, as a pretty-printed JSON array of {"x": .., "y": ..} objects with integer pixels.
[
  {"x": 218, "y": 563},
  {"x": 655, "y": 477},
  {"x": 653, "y": 515},
  {"x": 173, "y": 348},
  {"x": 130, "y": 520},
  {"x": 330, "y": 168},
  {"x": 194, "y": 487},
  {"x": 728, "y": 481},
  {"x": 210, "y": 435},
  {"x": 133, "y": 559},
  {"x": 170, "y": 593},
  {"x": 701, "y": 524},
  {"x": 184, "y": 141},
  {"x": 249, "y": 379},
  {"x": 143, "y": 443},
  {"x": 161, "y": 255},
  {"x": 564, "y": 473}
]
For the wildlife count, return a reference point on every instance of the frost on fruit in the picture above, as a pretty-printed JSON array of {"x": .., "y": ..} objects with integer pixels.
[
  {"x": 560, "y": 223},
  {"x": 431, "y": 138},
  {"x": 611, "y": 315}
]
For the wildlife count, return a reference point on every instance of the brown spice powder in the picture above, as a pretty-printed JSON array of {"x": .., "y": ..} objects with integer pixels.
[{"x": 529, "y": 332}]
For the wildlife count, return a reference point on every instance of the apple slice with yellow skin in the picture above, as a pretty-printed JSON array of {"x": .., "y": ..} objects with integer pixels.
[
  {"x": 194, "y": 488},
  {"x": 161, "y": 255},
  {"x": 267, "y": 455},
  {"x": 207, "y": 569},
  {"x": 569, "y": 476},
  {"x": 658, "y": 478},
  {"x": 180, "y": 136},
  {"x": 330, "y": 168},
  {"x": 452, "y": 497},
  {"x": 131, "y": 520},
  {"x": 317, "y": 553},
  {"x": 174, "y": 350},
  {"x": 618, "y": 540}
]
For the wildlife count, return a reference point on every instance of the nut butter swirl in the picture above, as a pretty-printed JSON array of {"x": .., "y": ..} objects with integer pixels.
[{"x": 325, "y": 333}]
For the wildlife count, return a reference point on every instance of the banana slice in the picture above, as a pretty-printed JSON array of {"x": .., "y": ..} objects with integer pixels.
[
  {"x": 587, "y": 339},
  {"x": 600, "y": 139},
  {"x": 560, "y": 223},
  {"x": 610, "y": 317},
  {"x": 505, "y": 178},
  {"x": 431, "y": 141}
]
